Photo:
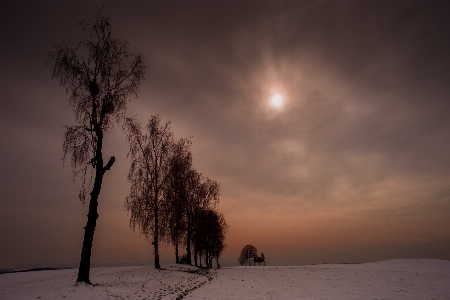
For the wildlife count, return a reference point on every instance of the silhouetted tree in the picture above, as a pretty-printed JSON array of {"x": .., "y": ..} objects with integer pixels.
[
  {"x": 219, "y": 240},
  {"x": 220, "y": 246},
  {"x": 191, "y": 207},
  {"x": 180, "y": 164},
  {"x": 209, "y": 235},
  {"x": 201, "y": 194},
  {"x": 247, "y": 252},
  {"x": 149, "y": 172},
  {"x": 99, "y": 75}
]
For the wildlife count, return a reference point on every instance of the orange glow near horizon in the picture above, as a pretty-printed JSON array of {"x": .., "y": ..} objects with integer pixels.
[{"x": 329, "y": 143}]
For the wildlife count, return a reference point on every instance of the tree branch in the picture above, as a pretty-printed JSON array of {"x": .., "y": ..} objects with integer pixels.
[{"x": 109, "y": 164}]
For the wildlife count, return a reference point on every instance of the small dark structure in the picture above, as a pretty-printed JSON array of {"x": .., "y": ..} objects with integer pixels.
[{"x": 259, "y": 260}]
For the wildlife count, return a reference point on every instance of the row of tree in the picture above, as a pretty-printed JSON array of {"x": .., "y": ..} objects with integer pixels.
[{"x": 169, "y": 200}]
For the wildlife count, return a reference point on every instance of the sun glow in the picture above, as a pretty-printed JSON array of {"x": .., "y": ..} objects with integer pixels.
[{"x": 277, "y": 100}]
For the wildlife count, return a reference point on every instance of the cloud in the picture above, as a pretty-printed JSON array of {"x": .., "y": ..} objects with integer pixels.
[{"x": 360, "y": 147}]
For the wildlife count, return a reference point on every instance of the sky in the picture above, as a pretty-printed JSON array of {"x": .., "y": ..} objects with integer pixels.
[{"x": 354, "y": 166}]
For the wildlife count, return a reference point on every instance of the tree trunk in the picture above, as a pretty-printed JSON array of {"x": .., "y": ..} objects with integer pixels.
[
  {"x": 157, "y": 266},
  {"x": 210, "y": 258},
  {"x": 155, "y": 236},
  {"x": 85, "y": 261},
  {"x": 195, "y": 257},
  {"x": 177, "y": 259},
  {"x": 188, "y": 243}
]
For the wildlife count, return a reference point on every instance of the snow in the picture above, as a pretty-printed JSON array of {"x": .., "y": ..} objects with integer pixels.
[{"x": 393, "y": 279}]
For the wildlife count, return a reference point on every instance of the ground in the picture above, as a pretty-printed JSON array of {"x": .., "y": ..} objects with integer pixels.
[{"x": 393, "y": 279}]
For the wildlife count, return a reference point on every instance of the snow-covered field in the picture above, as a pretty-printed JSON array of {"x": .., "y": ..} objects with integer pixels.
[{"x": 393, "y": 279}]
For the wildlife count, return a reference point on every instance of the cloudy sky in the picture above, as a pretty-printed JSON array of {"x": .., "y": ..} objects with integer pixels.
[{"x": 353, "y": 167}]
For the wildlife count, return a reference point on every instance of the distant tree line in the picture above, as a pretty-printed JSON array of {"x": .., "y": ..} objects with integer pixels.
[{"x": 169, "y": 201}]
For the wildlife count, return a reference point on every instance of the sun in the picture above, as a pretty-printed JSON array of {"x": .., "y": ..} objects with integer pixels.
[{"x": 277, "y": 100}]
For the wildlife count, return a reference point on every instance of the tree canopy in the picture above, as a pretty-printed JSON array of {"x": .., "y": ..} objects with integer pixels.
[
  {"x": 149, "y": 174},
  {"x": 209, "y": 235},
  {"x": 247, "y": 252}
]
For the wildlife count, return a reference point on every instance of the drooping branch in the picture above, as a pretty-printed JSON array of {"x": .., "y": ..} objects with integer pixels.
[
  {"x": 99, "y": 75},
  {"x": 88, "y": 71}
]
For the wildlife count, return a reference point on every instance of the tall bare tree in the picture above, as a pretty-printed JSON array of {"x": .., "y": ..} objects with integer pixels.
[
  {"x": 202, "y": 193},
  {"x": 100, "y": 74},
  {"x": 209, "y": 235},
  {"x": 180, "y": 165},
  {"x": 149, "y": 173},
  {"x": 219, "y": 238}
]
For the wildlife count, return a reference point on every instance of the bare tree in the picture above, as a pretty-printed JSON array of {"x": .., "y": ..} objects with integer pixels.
[
  {"x": 219, "y": 238},
  {"x": 99, "y": 74},
  {"x": 149, "y": 172},
  {"x": 201, "y": 194},
  {"x": 209, "y": 235},
  {"x": 180, "y": 165},
  {"x": 247, "y": 252},
  {"x": 189, "y": 193},
  {"x": 190, "y": 206}
]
